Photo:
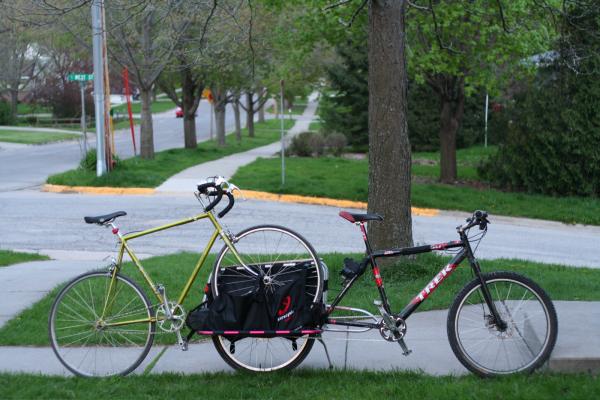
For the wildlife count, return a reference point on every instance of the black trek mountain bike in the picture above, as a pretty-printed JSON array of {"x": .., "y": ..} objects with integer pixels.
[{"x": 499, "y": 323}]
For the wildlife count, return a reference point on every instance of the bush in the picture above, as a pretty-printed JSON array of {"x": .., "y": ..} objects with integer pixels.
[
  {"x": 317, "y": 144},
  {"x": 6, "y": 117},
  {"x": 300, "y": 145},
  {"x": 88, "y": 163},
  {"x": 424, "y": 119},
  {"x": 336, "y": 143},
  {"x": 552, "y": 144}
]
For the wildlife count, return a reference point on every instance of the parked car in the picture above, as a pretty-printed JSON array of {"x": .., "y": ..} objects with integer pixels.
[{"x": 179, "y": 113}]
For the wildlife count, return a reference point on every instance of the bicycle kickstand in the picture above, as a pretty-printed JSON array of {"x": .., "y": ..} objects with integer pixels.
[{"x": 320, "y": 339}]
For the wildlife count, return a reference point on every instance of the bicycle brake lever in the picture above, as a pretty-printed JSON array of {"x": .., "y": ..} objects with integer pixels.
[{"x": 233, "y": 188}]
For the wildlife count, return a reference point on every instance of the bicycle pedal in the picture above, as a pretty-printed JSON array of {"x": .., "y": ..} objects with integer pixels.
[{"x": 405, "y": 350}]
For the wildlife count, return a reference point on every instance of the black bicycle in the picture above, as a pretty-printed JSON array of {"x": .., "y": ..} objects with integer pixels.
[{"x": 499, "y": 323}]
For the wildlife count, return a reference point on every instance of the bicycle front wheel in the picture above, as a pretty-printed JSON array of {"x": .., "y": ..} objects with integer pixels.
[
  {"x": 92, "y": 325},
  {"x": 263, "y": 247},
  {"x": 488, "y": 350}
]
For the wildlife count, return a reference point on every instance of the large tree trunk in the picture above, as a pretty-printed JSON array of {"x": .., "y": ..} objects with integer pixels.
[
  {"x": 250, "y": 114},
  {"x": 220, "y": 122},
  {"x": 389, "y": 146},
  {"x": 452, "y": 110},
  {"x": 189, "y": 130},
  {"x": 238, "y": 123},
  {"x": 189, "y": 111},
  {"x": 146, "y": 130}
]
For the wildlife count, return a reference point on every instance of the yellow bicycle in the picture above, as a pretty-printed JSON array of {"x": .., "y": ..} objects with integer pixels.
[{"x": 102, "y": 323}]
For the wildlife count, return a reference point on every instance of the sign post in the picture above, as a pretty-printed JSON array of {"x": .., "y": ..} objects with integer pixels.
[
  {"x": 82, "y": 79},
  {"x": 486, "y": 120},
  {"x": 282, "y": 116},
  {"x": 83, "y": 122},
  {"x": 128, "y": 96}
]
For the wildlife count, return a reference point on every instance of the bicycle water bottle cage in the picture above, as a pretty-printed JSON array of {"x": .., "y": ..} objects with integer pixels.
[{"x": 352, "y": 268}]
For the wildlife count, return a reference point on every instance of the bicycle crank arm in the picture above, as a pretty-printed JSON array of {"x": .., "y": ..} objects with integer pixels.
[{"x": 405, "y": 350}]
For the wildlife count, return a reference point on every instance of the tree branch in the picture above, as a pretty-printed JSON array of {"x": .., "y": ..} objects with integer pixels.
[{"x": 438, "y": 35}]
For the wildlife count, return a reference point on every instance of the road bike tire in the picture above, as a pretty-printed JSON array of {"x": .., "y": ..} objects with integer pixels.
[
  {"x": 523, "y": 346},
  {"x": 82, "y": 344},
  {"x": 261, "y": 245}
]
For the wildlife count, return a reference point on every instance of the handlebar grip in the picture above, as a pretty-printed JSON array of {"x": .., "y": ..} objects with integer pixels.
[
  {"x": 229, "y": 205},
  {"x": 203, "y": 186}
]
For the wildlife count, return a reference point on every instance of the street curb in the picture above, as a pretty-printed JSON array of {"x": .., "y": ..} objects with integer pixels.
[
  {"x": 589, "y": 365},
  {"x": 251, "y": 194},
  {"x": 97, "y": 190},
  {"x": 324, "y": 201}
]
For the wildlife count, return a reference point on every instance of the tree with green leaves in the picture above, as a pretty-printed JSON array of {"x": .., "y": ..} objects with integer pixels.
[
  {"x": 20, "y": 54},
  {"x": 552, "y": 143},
  {"x": 458, "y": 47},
  {"x": 143, "y": 37},
  {"x": 188, "y": 70}
]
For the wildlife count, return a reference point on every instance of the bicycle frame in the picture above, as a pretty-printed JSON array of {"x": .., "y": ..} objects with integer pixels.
[
  {"x": 124, "y": 247},
  {"x": 445, "y": 272}
]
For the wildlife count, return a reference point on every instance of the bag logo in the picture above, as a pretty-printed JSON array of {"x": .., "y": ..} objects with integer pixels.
[{"x": 283, "y": 313}]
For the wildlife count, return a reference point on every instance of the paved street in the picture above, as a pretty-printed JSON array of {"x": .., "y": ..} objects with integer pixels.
[
  {"x": 49, "y": 222},
  {"x": 29, "y": 166}
]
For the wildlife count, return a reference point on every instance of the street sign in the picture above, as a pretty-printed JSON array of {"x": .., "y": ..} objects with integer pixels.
[{"x": 80, "y": 77}]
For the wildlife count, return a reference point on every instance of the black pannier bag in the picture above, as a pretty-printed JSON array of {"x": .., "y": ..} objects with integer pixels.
[{"x": 274, "y": 300}]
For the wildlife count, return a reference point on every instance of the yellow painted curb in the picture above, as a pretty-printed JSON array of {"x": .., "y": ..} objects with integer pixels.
[
  {"x": 286, "y": 198},
  {"x": 97, "y": 190},
  {"x": 323, "y": 201}
]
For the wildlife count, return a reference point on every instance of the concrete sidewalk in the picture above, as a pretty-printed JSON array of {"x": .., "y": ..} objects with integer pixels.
[
  {"x": 35, "y": 129},
  {"x": 187, "y": 180},
  {"x": 25, "y": 284},
  {"x": 577, "y": 349}
]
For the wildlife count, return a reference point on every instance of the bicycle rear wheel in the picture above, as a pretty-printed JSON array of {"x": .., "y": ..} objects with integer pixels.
[
  {"x": 487, "y": 350},
  {"x": 91, "y": 342},
  {"x": 263, "y": 247}
]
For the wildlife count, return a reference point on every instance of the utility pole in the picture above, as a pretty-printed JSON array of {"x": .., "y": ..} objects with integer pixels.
[
  {"x": 99, "y": 106},
  {"x": 486, "y": 119}
]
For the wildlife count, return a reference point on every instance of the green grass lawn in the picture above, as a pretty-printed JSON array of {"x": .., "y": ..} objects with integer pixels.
[
  {"x": 314, "y": 126},
  {"x": 304, "y": 384},
  {"x": 297, "y": 108},
  {"x": 124, "y": 123},
  {"x": 34, "y": 137},
  {"x": 8, "y": 257},
  {"x": 156, "y": 107},
  {"x": 23, "y": 108},
  {"x": 135, "y": 172},
  {"x": 402, "y": 283},
  {"x": 340, "y": 178}
]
